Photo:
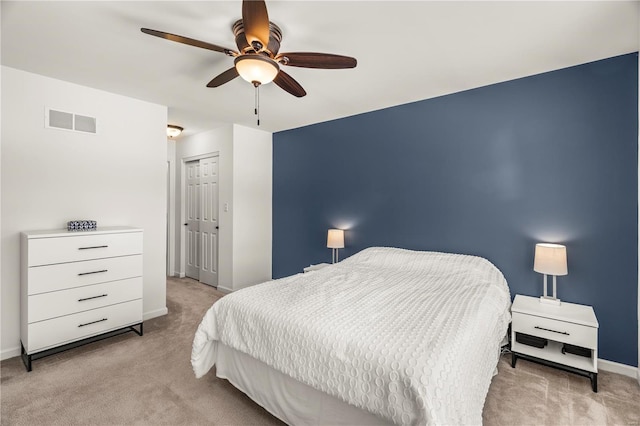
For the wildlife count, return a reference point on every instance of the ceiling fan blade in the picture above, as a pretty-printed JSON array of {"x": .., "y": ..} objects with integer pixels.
[
  {"x": 256, "y": 23},
  {"x": 223, "y": 78},
  {"x": 286, "y": 82},
  {"x": 316, "y": 60},
  {"x": 189, "y": 41}
]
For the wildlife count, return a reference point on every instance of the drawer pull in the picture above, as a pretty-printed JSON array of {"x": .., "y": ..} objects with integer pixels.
[
  {"x": 553, "y": 331},
  {"x": 92, "y": 322},
  {"x": 94, "y": 272},
  {"x": 94, "y": 247},
  {"x": 93, "y": 297}
]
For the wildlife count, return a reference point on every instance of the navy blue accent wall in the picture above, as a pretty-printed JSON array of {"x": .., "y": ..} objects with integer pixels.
[{"x": 488, "y": 172}]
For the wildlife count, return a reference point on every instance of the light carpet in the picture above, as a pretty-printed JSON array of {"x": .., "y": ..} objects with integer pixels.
[{"x": 131, "y": 380}]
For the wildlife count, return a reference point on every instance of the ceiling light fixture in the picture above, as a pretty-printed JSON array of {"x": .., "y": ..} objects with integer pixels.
[
  {"x": 256, "y": 69},
  {"x": 173, "y": 131}
]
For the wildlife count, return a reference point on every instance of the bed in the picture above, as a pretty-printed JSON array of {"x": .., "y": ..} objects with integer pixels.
[{"x": 387, "y": 336}]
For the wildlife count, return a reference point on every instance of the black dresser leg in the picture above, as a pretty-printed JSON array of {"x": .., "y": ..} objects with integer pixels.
[
  {"x": 26, "y": 359},
  {"x": 594, "y": 381},
  {"x": 514, "y": 358}
]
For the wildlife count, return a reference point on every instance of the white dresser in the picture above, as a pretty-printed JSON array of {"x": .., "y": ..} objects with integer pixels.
[{"x": 77, "y": 285}]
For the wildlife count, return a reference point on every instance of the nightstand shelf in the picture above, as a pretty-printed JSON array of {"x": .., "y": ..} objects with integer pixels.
[{"x": 568, "y": 323}]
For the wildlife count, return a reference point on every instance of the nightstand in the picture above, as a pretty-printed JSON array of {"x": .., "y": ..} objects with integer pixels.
[
  {"x": 563, "y": 336},
  {"x": 315, "y": 267}
]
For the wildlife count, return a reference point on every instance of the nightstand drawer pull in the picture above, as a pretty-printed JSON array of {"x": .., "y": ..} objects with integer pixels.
[
  {"x": 553, "y": 331},
  {"x": 93, "y": 297},
  {"x": 92, "y": 322},
  {"x": 93, "y": 247}
]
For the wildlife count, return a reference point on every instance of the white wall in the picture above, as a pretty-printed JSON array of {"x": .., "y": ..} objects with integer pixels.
[
  {"x": 48, "y": 176},
  {"x": 252, "y": 187},
  {"x": 245, "y": 161}
]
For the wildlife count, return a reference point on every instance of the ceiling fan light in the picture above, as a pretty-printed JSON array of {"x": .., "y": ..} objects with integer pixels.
[
  {"x": 256, "y": 68},
  {"x": 173, "y": 131}
]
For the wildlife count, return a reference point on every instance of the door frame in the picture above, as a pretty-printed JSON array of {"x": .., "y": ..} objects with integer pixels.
[{"x": 183, "y": 208}]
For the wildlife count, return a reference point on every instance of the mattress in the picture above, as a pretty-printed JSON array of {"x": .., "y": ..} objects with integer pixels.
[{"x": 410, "y": 337}]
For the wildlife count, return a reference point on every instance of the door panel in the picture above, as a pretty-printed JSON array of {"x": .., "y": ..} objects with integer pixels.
[
  {"x": 193, "y": 219},
  {"x": 202, "y": 220},
  {"x": 209, "y": 220}
]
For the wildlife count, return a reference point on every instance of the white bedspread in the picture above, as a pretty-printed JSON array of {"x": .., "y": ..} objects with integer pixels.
[{"x": 410, "y": 336}]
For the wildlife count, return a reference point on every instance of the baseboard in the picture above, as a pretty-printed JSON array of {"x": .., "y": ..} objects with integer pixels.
[
  {"x": 153, "y": 314},
  {"x": 616, "y": 367},
  {"x": 9, "y": 353},
  {"x": 224, "y": 289}
]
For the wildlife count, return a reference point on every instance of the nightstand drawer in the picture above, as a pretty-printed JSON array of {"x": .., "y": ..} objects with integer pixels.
[{"x": 560, "y": 331}]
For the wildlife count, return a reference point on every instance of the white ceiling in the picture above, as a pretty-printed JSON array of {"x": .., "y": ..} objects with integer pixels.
[{"x": 406, "y": 51}]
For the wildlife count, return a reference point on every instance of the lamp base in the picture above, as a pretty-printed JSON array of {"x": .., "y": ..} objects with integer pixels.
[{"x": 549, "y": 300}]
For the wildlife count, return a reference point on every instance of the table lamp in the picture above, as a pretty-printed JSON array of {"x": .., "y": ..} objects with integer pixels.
[
  {"x": 550, "y": 259},
  {"x": 335, "y": 241}
]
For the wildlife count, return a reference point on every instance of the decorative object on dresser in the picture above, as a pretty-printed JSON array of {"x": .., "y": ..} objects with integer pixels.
[
  {"x": 335, "y": 241},
  {"x": 82, "y": 225},
  {"x": 562, "y": 336},
  {"x": 550, "y": 259},
  {"x": 78, "y": 287}
]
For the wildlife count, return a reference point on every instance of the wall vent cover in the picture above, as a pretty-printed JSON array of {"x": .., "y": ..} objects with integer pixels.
[{"x": 56, "y": 119}]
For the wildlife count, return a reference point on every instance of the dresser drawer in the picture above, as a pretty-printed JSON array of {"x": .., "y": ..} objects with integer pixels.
[
  {"x": 54, "y": 332},
  {"x": 560, "y": 331},
  {"x": 64, "y": 302},
  {"x": 48, "y": 278},
  {"x": 46, "y": 251}
]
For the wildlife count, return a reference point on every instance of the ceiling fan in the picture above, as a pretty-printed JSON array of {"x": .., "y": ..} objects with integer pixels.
[{"x": 257, "y": 59}]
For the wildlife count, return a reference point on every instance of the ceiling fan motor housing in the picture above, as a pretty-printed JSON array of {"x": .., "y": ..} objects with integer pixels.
[{"x": 275, "y": 37}]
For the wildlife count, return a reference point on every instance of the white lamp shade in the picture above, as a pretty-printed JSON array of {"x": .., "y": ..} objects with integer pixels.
[
  {"x": 256, "y": 68},
  {"x": 335, "y": 238},
  {"x": 550, "y": 259}
]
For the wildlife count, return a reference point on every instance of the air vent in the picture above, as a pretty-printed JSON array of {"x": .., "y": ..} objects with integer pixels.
[
  {"x": 85, "y": 124},
  {"x": 60, "y": 120},
  {"x": 55, "y": 119}
]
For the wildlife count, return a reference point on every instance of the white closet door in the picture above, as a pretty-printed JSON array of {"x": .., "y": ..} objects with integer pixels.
[
  {"x": 193, "y": 213},
  {"x": 209, "y": 220}
]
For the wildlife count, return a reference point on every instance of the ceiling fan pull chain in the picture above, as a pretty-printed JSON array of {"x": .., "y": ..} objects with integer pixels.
[{"x": 257, "y": 100}]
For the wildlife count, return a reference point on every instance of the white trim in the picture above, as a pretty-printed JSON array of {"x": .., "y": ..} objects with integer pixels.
[
  {"x": 224, "y": 289},
  {"x": 153, "y": 314},
  {"x": 616, "y": 367},
  {"x": 183, "y": 208},
  {"x": 10, "y": 353}
]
